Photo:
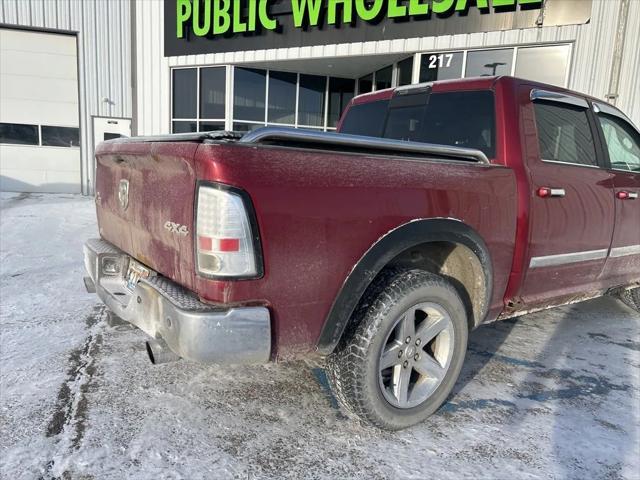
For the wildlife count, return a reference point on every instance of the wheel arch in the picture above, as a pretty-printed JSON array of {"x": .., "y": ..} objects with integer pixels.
[{"x": 439, "y": 245}]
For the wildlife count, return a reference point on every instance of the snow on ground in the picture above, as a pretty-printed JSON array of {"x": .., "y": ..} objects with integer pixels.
[{"x": 549, "y": 395}]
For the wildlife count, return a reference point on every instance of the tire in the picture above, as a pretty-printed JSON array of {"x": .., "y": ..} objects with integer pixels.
[
  {"x": 632, "y": 298},
  {"x": 356, "y": 369}
]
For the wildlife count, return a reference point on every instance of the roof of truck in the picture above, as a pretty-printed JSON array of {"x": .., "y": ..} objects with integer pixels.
[{"x": 472, "y": 83}]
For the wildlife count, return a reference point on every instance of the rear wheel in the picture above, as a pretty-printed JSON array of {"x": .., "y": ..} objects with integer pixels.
[
  {"x": 400, "y": 362},
  {"x": 632, "y": 298}
]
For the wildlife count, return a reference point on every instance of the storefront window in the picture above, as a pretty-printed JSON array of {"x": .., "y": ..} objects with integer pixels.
[
  {"x": 282, "y": 97},
  {"x": 185, "y": 127},
  {"x": 405, "y": 71},
  {"x": 341, "y": 92},
  {"x": 185, "y": 91},
  {"x": 246, "y": 127},
  {"x": 249, "y": 92},
  {"x": 211, "y": 126},
  {"x": 311, "y": 100},
  {"x": 489, "y": 63},
  {"x": 549, "y": 64},
  {"x": 212, "y": 92},
  {"x": 384, "y": 77},
  {"x": 198, "y": 110},
  {"x": 441, "y": 66},
  {"x": 365, "y": 84}
]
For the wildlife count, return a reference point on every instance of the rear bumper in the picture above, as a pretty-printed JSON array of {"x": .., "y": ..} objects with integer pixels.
[{"x": 162, "y": 309}]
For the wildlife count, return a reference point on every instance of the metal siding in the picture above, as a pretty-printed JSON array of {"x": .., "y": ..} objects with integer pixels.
[
  {"x": 104, "y": 46},
  {"x": 629, "y": 90}
]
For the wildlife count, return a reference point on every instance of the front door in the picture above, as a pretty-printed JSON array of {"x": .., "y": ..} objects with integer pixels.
[
  {"x": 572, "y": 208},
  {"x": 622, "y": 143}
]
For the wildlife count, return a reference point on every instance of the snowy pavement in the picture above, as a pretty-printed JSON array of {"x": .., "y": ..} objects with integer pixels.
[{"x": 550, "y": 395}]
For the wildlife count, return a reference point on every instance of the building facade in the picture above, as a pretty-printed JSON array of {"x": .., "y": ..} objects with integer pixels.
[
  {"x": 65, "y": 84},
  {"x": 188, "y": 65}
]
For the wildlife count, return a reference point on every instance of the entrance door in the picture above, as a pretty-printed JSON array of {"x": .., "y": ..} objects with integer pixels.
[{"x": 110, "y": 128}]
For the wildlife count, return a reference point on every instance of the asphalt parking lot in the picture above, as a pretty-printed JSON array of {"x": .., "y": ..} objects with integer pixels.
[{"x": 554, "y": 394}]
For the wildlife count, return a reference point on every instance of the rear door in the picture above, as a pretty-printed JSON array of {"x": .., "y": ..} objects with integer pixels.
[
  {"x": 622, "y": 142},
  {"x": 572, "y": 208}
]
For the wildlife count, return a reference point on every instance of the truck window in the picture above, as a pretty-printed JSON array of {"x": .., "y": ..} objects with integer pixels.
[
  {"x": 564, "y": 134},
  {"x": 365, "y": 119},
  {"x": 461, "y": 119},
  {"x": 622, "y": 142}
]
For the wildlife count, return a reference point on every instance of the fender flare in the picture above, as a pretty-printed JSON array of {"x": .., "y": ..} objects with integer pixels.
[{"x": 386, "y": 249}]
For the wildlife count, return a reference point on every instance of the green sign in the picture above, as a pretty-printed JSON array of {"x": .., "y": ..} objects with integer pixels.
[{"x": 206, "y": 18}]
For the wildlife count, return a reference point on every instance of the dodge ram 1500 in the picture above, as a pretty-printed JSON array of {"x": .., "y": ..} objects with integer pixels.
[{"x": 434, "y": 208}]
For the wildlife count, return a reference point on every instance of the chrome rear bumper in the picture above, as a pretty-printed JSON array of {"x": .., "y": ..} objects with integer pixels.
[{"x": 162, "y": 309}]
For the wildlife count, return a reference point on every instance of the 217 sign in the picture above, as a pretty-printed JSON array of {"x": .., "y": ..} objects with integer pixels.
[{"x": 442, "y": 60}]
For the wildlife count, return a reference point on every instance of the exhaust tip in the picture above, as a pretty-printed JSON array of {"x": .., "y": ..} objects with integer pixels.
[{"x": 159, "y": 352}]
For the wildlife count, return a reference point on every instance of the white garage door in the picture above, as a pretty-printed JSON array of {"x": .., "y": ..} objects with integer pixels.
[{"x": 39, "y": 134}]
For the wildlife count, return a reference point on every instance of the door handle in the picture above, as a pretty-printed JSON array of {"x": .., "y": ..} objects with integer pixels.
[
  {"x": 624, "y": 195},
  {"x": 546, "y": 192}
]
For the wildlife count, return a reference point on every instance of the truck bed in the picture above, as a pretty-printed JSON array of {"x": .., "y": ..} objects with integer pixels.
[{"x": 318, "y": 211}]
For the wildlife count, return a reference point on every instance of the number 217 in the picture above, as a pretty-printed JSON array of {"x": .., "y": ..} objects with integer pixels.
[{"x": 440, "y": 61}]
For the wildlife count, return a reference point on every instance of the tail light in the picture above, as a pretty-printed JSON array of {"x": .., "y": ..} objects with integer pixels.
[{"x": 225, "y": 242}]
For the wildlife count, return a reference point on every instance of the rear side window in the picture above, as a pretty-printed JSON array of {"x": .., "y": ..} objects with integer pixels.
[
  {"x": 459, "y": 119},
  {"x": 564, "y": 134},
  {"x": 365, "y": 119}
]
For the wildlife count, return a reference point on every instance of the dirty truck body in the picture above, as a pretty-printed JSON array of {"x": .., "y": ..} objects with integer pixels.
[{"x": 449, "y": 204}]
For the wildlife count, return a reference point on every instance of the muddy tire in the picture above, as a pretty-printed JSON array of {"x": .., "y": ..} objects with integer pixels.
[
  {"x": 402, "y": 356},
  {"x": 632, "y": 298}
]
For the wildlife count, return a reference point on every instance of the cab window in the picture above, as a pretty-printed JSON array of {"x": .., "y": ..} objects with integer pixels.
[
  {"x": 459, "y": 119},
  {"x": 622, "y": 143},
  {"x": 564, "y": 134}
]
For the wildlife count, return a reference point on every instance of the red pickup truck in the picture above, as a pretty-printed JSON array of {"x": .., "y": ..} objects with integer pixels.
[{"x": 434, "y": 209}]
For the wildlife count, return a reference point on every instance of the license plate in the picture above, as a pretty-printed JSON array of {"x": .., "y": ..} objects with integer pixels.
[{"x": 135, "y": 272}]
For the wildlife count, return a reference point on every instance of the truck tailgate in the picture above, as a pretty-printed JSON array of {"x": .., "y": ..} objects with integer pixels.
[{"x": 144, "y": 203}]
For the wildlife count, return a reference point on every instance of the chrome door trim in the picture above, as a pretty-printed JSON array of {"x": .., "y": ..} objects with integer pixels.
[
  {"x": 617, "y": 252},
  {"x": 557, "y": 97},
  {"x": 558, "y": 162},
  {"x": 567, "y": 258}
]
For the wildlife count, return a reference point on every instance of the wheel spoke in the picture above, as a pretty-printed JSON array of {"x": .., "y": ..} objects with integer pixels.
[
  {"x": 430, "y": 328},
  {"x": 407, "y": 326},
  {"x": 390, "y": 356},
  {"x": 423, "y": 389},
  {"x": 429, "y": 367},
  {"x": 401, "y": 378}
]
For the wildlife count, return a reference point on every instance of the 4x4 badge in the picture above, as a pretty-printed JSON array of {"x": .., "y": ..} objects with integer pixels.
[
  {"x": 177, "y": 228},
  {"x": 123, "y": 194}
]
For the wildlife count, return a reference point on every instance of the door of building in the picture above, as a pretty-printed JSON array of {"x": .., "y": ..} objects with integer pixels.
[{"x": 110, "y": 128}]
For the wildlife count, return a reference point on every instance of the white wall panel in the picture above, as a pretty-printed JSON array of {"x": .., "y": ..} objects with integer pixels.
[{"x": 104, "y": 56}]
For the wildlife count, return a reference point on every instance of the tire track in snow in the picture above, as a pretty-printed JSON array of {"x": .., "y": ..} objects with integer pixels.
[{"x": 68, "y": 422}]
